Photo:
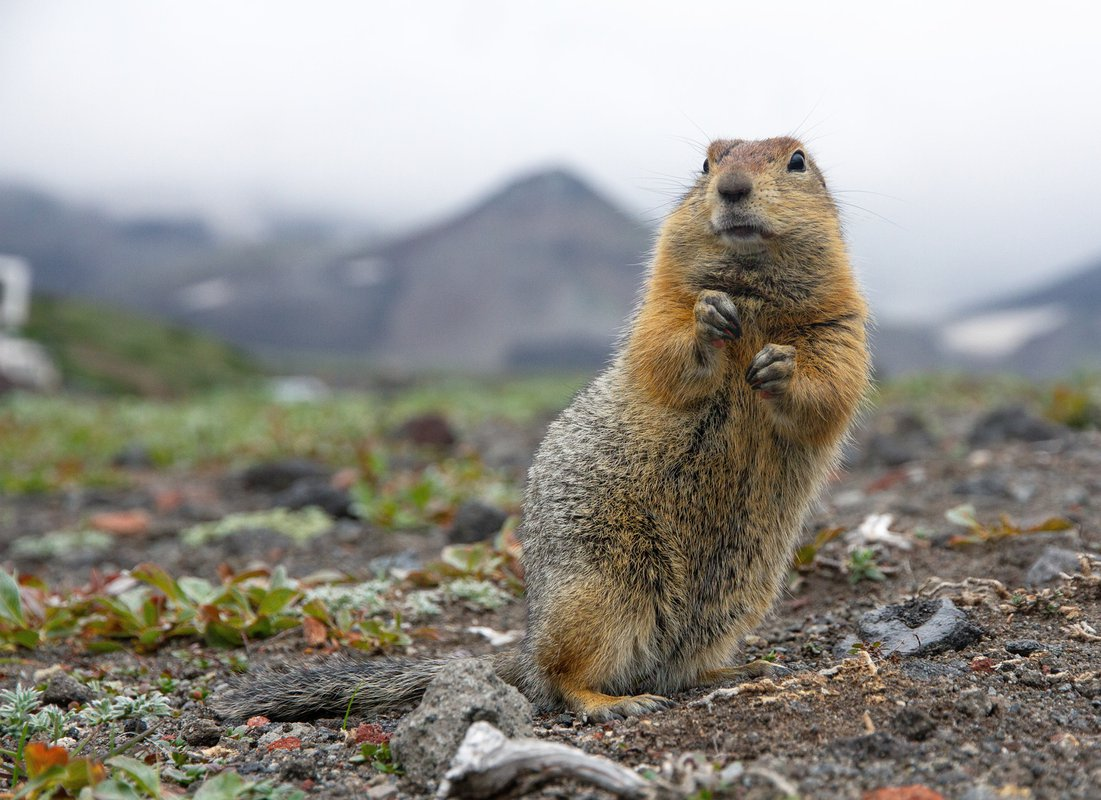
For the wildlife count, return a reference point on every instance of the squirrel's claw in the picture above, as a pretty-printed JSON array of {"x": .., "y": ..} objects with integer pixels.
[
  {"x": 717, "y": 318},
  {"x": 771, "y": 369}
]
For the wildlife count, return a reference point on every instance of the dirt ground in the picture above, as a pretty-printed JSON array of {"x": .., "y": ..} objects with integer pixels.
[{"x": 1017, "y": 714}]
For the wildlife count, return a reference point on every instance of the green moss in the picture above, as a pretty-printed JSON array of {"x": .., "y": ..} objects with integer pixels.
[{"x": 298, "y": 526}]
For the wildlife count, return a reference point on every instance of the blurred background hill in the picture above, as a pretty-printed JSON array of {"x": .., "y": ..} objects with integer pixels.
[{"x": 539, "y": 275}]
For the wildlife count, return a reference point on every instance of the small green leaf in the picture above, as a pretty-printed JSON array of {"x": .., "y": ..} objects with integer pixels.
[
  {"x": 420, "y": 493},
  {"x": 316, "y": 609},
  {"x": 149, "y": 637},
  {"x": 219, "y": 634},
  {"x": 224, "y": 786},
  {"x": 804, "y": 556},
  {"x": 150, "y": 613},
  {"x": 111, "y": 789},
  {"x": 156, "y": 576},
  {"x": 197, "y": 590},
  {"x": 26, "y": 638},
  {"x": 279, "y": 578},
  {"x": 103, "y": 646},
  {"x": 142, "y": 774},
  {"x": 275, "y": 601},
  {"x": 11, "y": 607}
]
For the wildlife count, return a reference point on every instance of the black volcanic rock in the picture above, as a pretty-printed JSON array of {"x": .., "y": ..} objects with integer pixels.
[{"x": 1013, "y": 423}]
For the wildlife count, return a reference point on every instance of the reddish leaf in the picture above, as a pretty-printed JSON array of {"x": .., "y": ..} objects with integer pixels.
[
  {"x": 257, "y": 722},
  {"x": 314, "y": 631},
  {"x": 40, "y": 757}
]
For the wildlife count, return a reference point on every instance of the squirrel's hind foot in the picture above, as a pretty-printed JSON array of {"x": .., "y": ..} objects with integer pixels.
[{"x": 598, "y": 707}]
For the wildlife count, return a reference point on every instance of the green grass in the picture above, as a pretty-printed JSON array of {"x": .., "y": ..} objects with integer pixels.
[
  {"x": 107, "y": 350},
  {"x": 48, "y": 442},
  {"x": 1065, "y": 400}
]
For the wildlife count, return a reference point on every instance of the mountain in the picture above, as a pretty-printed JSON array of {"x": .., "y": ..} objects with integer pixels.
[
  {"x": 541, "y": 273},
  {"x": 80, "y": 251},
  {"x": 1046, "y": 332},
  {"x": 544, "y": 271}
]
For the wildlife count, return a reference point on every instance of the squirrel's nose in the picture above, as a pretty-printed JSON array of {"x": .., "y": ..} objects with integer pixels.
[{"x": 734, "y": 186}]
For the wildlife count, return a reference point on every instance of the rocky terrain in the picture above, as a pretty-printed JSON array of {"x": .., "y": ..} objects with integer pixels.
[{"x": 940, "y": 635}]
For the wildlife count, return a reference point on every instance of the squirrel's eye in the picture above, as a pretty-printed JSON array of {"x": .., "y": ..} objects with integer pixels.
[
  {"x": 798, "y": 162},
  {"x": 706, "y": 165}
]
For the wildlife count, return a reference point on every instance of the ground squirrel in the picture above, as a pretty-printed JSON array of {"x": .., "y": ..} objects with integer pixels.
[{"x": 663, "y": 506}]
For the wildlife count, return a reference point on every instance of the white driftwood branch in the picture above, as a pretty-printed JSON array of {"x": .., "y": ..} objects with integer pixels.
[{"x": 490, "y": 765}]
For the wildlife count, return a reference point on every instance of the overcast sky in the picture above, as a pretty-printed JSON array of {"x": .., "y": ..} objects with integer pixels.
[{"x": 960, "y": 136}]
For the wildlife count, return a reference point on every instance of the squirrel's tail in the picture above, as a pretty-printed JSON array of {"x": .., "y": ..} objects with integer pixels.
[{"x": 333, "y": 687}]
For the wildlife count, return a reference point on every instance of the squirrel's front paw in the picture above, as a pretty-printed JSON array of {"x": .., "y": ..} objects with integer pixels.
[
  {"x": 716, "y": 318},
  {"x": 771, "y": 369}
]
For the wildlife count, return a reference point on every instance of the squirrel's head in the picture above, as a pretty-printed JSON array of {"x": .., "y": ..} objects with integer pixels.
[{"x": 757, "y": 202}]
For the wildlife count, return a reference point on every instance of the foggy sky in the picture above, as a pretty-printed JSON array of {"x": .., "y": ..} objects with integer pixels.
[{"x": 959, "y": 135}]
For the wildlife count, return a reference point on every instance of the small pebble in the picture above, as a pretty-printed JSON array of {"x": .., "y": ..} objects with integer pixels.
[
  {"x": 202, "y": 733},
  {"x": 1023, "y": 647}
]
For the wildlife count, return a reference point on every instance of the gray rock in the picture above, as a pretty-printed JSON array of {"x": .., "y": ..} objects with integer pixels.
[
  {"x": 134, "y": 455},
  {"x": 878, "y": 745},
  {"x": 430, "y": 429},
  {"x": 922, "y": 669},
  {"x": 984, "y": 486},
  {"x": 975, "y": 703},
  {"x": 1088, "y": 686},
  {"x": 919, "y": 627},
  {"x": 64, "y": 689},
  {"x": 387, "y": 790},
  {"x": 1023, "y": 647},
  {"x": 405, "y": 560},
  {"x": 996, "y": 485},
  {"x": 1013, "y": 422},
  {"x": 298, "y": 769},
  {"x": 895, "y": 438},
  {"x": 202, "y": 733},
  {"x": 277, "y": 476},
  {"x": 914, "y": 724},
  {"x": 315, "y": 492},
  {"x": 1052, "y": 561},
  {"x": 463, "y": 692},
  {"x": 983, "y": 791},
  {"x": 844, "y": 648},
  {"x": 475, "y": 522},
  {"x": 248, "y": 543},
  {"x": 1076, "y": 496},
  {"x": 1032, "y": 677}
]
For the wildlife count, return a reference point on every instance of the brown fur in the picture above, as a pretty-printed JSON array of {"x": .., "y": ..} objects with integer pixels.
[{"x": 664, "y": 504}]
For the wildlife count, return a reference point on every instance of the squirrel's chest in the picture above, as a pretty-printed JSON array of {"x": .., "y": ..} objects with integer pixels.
[{"x": 725, "y": 444}]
